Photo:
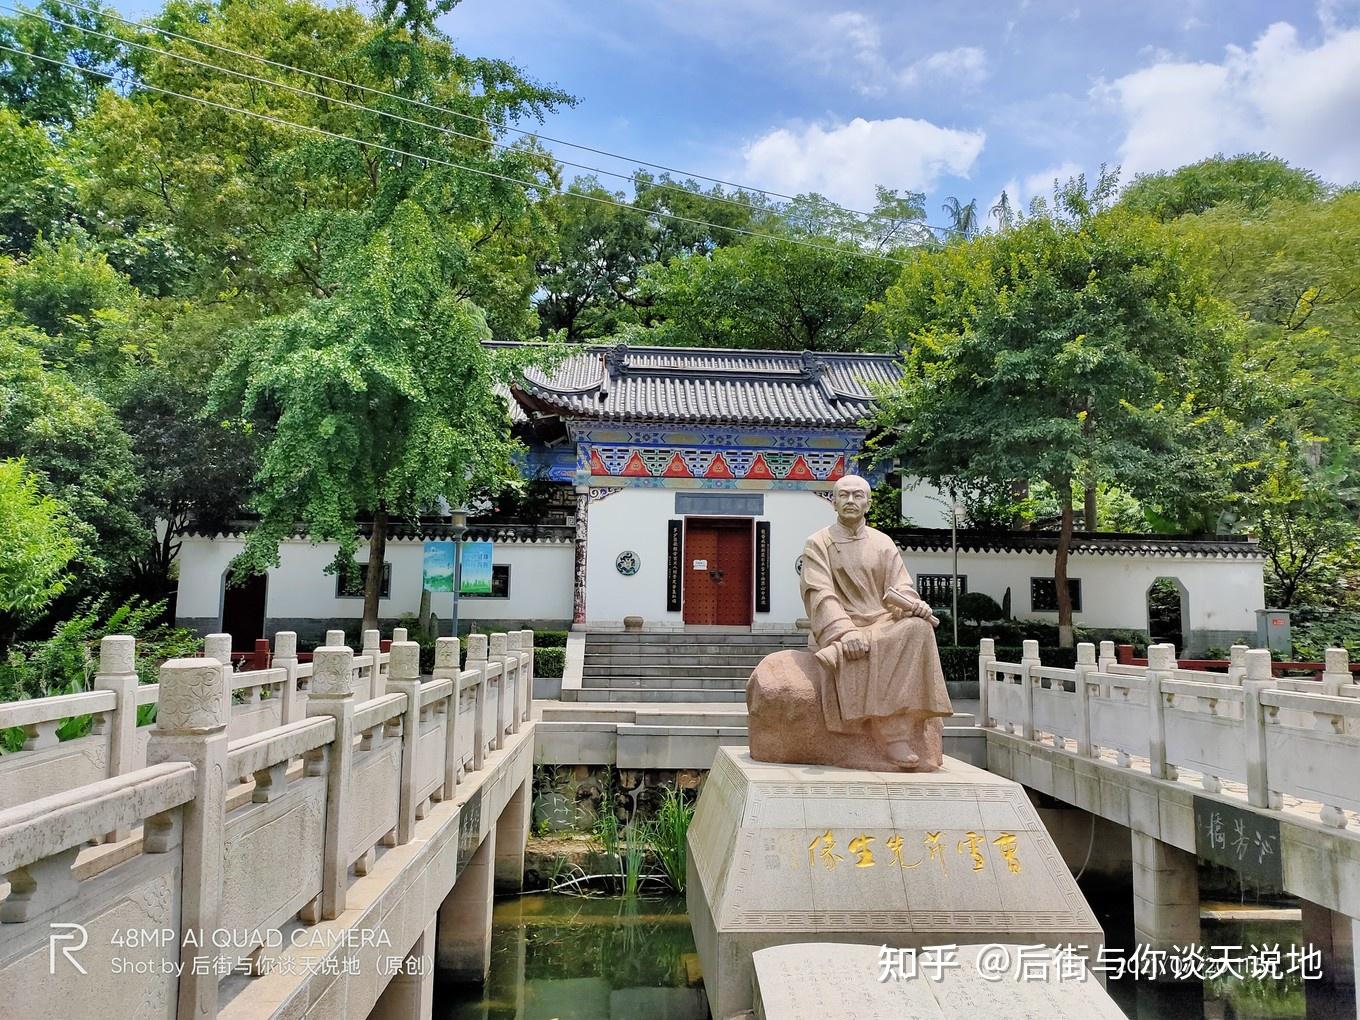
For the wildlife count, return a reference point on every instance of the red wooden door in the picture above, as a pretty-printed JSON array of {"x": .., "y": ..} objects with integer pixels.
[{"x": 717, "y": 569}]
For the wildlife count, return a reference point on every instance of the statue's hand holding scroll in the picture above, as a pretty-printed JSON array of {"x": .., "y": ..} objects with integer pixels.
[{"x": 910, "y": 605}]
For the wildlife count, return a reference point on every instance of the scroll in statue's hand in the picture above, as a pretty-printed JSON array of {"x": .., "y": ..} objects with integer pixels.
[
  {"x": 856, "y": 644},
  {"x": 910, "y": 605}
]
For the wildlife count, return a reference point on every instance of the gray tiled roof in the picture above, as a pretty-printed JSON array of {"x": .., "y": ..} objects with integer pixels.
[
  {"x": 697, "y": 385},
  {"x": 1099, "y": 543}
]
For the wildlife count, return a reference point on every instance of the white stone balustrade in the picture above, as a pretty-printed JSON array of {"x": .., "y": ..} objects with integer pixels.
[
  {"x": 1250, "y": 730},
  {"x": 239, "y": 835}
]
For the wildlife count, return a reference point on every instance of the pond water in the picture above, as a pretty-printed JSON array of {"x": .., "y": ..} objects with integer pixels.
[
  {"x": 576, "y": 958},
  {"x": 609, "y": 958}
]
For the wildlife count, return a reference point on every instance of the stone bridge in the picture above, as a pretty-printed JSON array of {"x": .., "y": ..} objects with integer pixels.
[
  {"x": 1179, "y": 757},
  {"x": 307, "y": 840}
]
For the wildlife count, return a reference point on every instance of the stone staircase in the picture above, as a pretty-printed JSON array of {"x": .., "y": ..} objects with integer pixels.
[{"x": 667, "y": 668}]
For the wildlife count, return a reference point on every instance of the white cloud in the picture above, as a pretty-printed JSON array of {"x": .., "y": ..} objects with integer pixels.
[
  {"x": 845, "y": 161},
  {"x": 964, "y": 64},
  {"x": 1280, "y": 96}
]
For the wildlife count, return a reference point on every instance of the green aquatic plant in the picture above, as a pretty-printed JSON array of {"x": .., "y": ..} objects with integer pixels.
[{"x": 667, "y": 834}]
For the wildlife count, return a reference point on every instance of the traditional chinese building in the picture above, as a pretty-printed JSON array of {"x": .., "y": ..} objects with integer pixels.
[{"x": 681, "y": 485}]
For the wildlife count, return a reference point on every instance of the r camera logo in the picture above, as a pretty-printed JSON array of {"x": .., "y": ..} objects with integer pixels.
[{"x": 62, "y": 933}]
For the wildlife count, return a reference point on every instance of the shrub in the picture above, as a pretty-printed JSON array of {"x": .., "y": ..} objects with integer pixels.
[
  {"x": 978, "y": 606},
  {"x": 550, "y": 639},
  {"x": 549, "y": 662}
]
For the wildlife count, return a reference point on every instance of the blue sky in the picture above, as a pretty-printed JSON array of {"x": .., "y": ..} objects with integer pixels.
[{"x": 949, "y": 98}]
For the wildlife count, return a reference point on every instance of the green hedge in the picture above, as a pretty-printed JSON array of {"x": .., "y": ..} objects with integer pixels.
[
  {"x": 550, "y": 639},
  {"x": 960, "y": 662},
  {"x": 548, "y": 662}
]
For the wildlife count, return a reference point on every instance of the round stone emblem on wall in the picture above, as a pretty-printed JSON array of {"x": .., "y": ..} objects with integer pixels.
[
  {"x": 627, "y": 563},
  {"x": 798, "y": 565}
]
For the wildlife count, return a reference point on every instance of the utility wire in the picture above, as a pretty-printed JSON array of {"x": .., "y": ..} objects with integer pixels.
[
  {"x": 467, "y": 116},
  {"x": 634, "y": 178},
  {"x": 338, "y": 136}
]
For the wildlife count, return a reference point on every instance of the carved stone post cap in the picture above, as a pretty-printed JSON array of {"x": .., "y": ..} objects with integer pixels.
[
  {"x": 405, "y": 661},
  {"x": 1161, "y": 657},
  {"x": 332, "y": 672},
  {"x": 499, "y": 643},
  {"x": 1258, "y": 664},
  {"x": 398, "y": 634},
  {"x": 1337, "y": 660},
  {"x": 476, "y": 647},
  {"x": 446, "y": 653},
  {"x": 1237, "y": 655},
  {"x": 515, "y": 638},
  {"x": 118, "y": 654},
  {"x": 285, "y": 644},
  {"x": 218, "y": 646},
  {"x": 371, "y": 639},
  {"x": 1086, "y": 654},
  {"x": 1030, "y": 649},
  {"x": 191, "y": 697},
  {"x": 528, "y": 637},
  {"x": 987, "y": 646},
  {"x": 335, "y": 639}
]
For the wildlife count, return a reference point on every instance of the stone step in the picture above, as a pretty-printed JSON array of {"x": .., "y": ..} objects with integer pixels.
[
  {"x": 662, "y": 683},
  {"x": 707, "y": 669},
  {"x": 704, "y": 716},
  {"x": 677, "y": 656},
  {"x": 615, "y": 640},
  {"x": 671, "y": 696},
  {"x": 690, "y": 647}
]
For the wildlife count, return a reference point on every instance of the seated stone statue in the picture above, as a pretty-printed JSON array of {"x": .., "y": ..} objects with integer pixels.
[{"x": 870, "y": 692}]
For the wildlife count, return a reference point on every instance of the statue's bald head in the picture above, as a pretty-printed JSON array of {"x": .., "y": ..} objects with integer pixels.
[
  {"x": 850, "y": 498},
  {"x": 849, "y": 482}
]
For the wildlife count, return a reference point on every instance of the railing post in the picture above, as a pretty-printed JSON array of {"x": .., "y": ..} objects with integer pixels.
[
  {"x": 218, "y": 646},
  {"x": 1336, "y": 670},
  {"x": 1029, "y": 659},
  {"x": 285, "y": 658},
  {"x": 476, "y": 660},
  {"x": 446, "y": 666},
  {"x": 1258, "y": 679},
  {"x": 403, "y": 670},
  {"x": 1086, "y": 665},
  {"x": 515, "y": 639},
  {"x": 1161, "y": 661},
  {"x": 1237, "y": 664},
  {"x": 191, "y": 725},
  {"x": 1104, "y": 662},
  {"x": 986, "y": 655},
  {"x": 118, "y": 673},
  {"x": 332, "y": 694},
  {"x": 398, "y": 634},
  {"x": 528, "y": 644},
  {"x": 335, "y": 639},
  {"x": 372, "y": 648},
  {"x": 500, "y": 648}
]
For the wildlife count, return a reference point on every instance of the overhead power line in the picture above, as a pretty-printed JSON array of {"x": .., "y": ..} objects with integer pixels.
[
  {"x": 467, "y": 116},
  {"x": 208, "y": 65},
  {"x": 394, "y": 150}
]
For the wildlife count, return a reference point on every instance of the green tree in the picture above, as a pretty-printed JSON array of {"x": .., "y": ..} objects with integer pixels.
[
  {"x": 1081, "y": 346},
  {"x": 44, "y": 92},
  {"x": 37, "y": 545},
  {"x": 963, "y": 219},
  {"x": 378, "y": 389},
  {"x": 772, "y": 294},
  {"x": 73, "y": 442},
  {"x": 1253, "y": 181},
  {"x": 37, "y": 184}
]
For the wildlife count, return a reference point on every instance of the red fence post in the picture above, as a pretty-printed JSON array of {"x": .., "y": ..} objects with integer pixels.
[
  {"x": 260, "y": 660},
  {"x": 1124, "y": 654}
]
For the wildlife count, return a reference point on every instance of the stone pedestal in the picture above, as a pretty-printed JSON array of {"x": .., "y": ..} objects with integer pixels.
[
  {"x": 782, "y": 854},
  {"x": 840, "y": 982},
  {"x": 1165, "y": 894}
]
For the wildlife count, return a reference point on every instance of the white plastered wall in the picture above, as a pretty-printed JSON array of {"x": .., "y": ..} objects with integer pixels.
[
  {"x": 1223, "y": 593},
  {"x": 300, "y": 589},
  {"x": 635, "y": 519}
]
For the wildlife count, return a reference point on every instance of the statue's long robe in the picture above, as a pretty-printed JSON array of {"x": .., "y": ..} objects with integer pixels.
[{"x": 844, "y": 578}]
